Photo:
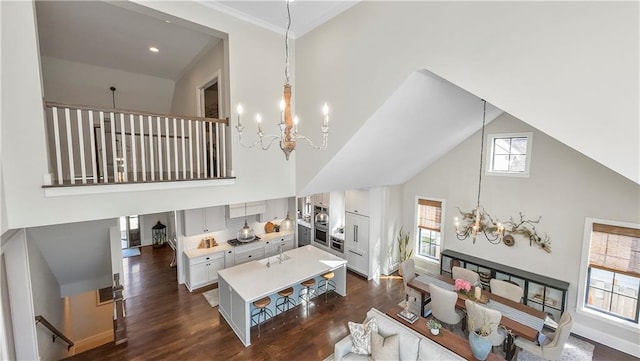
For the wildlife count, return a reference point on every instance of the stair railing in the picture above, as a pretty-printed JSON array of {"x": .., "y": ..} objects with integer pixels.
[{"x": 55, "y": 331}]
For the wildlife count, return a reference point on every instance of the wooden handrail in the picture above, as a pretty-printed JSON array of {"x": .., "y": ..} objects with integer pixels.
[
  {"x": 135, "y": 112},
  {"x": 56, "y": 333}
]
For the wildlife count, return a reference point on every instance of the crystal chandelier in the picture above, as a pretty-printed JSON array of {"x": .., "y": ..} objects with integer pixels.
[{"x": 288, "y": 125}]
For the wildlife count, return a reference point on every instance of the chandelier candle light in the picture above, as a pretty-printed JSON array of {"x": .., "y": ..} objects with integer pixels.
[
  {"x": 479, "y": 221},
  {"x": 288, "y": 125}
]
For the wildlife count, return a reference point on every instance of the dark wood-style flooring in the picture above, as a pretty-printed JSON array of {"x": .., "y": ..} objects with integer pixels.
[{"x": 167, "y": 322}]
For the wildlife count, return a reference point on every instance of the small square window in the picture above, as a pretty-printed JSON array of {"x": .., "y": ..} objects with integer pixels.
[{"x": 509, "y": 154}]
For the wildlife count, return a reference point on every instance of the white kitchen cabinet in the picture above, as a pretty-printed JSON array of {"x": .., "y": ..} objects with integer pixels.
[
  {"x": 203, "y": 270},
  {"x": 276, "y": 209},
  {"x": 272, "y": 247},
  {"x": 229, "y": 258},
  {"x": 357, "y": 201},
  {"x": 249, "y": 254},
  {"x": 238, "y": 210},
  {"x": 357, "y": 242},
  {"x": 321, "y": 199},
  {"x": 203, "y": 220}
]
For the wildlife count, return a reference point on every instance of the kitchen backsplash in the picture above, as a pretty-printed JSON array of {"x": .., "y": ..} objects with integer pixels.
[{"x": 232, "y": 225}]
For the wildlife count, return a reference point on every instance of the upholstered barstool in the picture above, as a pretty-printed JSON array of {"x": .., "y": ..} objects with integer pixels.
[
  {"x": 327, "y": 282},
  {"x": 285, "y": 302},
  {"x": 261, "y": 311},
  {"x": 307, "y": 292}
]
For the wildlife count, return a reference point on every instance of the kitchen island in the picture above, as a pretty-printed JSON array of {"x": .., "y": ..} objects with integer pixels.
[{"x": 239, "y": 286}]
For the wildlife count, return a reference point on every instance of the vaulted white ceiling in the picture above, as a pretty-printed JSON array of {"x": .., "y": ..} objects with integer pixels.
[{"x": 423, "y": 119}]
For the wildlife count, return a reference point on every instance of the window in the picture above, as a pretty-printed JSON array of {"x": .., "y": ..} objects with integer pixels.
[
  {"x": 429, "y": 220},
  {"x": 509, "y": 154},
  {"x": 613, "y": 274}
]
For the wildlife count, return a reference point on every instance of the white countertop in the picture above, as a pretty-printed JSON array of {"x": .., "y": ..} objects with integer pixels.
[
  {"x": 303, "y": 223},
  {"x": 224, "y": 246},
  {"x": 338, "y": 235},
  {"x": 254, "y": 280}
]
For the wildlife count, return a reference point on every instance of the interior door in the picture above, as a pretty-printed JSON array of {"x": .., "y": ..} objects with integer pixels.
[{"x": 133, "y": 228}]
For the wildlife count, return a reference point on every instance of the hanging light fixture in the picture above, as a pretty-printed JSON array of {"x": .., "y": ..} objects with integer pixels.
[
  {"x": 246, "y": 233},
  {"x": 287, "y": 224},
  {"x": 479, "y": 221},
  {"x": 322, "y": 216},
  {"x": 288, "y": 125}
]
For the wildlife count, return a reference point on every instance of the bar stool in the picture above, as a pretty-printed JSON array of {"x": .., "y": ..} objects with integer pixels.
[
  {"x": 261, "y": 310},
  {"x": 327, "y": 282},
  {"x": 307, "y": 293},
  {"x": 284, "y": 302}
]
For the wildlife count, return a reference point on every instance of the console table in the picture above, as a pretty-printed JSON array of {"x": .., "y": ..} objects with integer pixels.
[
  {"x": 540, "y": 292},
  {"x": 446, "y": 338}
]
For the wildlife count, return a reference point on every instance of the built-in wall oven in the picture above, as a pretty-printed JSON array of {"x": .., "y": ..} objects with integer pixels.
[{"x": 321, "y": 234}]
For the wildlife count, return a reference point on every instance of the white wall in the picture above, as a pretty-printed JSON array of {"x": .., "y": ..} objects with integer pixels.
[
  {"x": 564, "y": 187},
  {"x": 208, "y": 65},
  {"x": 79, "y": 254},
  {"x": 258, "y": 84},
  {"x": 536, "y": 60},
  {"x": 48, "y": 303},
  {"x": 391, "y": 224},
  {"x": 77, "y": 83},
  {"x": 16, "y": 261},
  {"x": 147, "y": 221}
]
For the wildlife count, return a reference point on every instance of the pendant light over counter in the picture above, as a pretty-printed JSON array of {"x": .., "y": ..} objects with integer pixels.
[{"x": 246, "y": 233}]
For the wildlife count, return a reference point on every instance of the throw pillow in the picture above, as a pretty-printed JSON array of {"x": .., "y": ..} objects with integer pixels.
[
  {"x": 385, "y": 349},
  {"x": 361, "y": 336}
]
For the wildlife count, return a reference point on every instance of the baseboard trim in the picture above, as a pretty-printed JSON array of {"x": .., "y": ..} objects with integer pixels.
[
  {"x": 93, "y": 341},
  {"x": 606, "y": 339}
]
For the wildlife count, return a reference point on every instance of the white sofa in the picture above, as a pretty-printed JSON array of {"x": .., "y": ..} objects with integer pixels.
[{"x": 413, "y": 346}]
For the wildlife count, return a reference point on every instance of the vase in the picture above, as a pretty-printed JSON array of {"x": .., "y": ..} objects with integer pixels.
[{"x": 480, "y": 346}]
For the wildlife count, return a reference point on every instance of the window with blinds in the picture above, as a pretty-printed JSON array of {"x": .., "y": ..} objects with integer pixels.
[
  {"x": 429, "y": 220},
  {"x": 613, "y": 277}
]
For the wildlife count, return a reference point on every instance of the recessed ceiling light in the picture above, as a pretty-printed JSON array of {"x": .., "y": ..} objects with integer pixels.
[
  {"x": 153, "y": 49},
  {"x": 167, "y": 21}
]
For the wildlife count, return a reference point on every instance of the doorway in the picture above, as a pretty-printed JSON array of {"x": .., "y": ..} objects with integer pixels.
[
  {"x": 209, "y": 106},
  {"x": 130, "y": 231}
]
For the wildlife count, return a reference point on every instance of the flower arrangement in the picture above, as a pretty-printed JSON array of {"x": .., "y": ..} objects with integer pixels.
[
  {"x": 434, "y": 324},
  {"x": 462, "y": 286}
]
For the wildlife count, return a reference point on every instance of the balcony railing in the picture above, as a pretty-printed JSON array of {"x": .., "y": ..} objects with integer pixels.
[{"x": 90, "y": 145}]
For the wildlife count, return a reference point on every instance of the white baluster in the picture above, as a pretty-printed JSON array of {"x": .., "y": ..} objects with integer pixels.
[
  {"x": 134, "y": 158},
  {"x": 159, "y": 149},
  {"x": 105, "y": 174},
  {"x": 222, "y": 151},
  {"x": 166, "y": 134},
  {"x": 184, "y": 152},
  {"x": 72, "y": 170},
  {"x": 190, "y": 150},
  {"x": 56, "y": 137},
  {"x": 114, "y": 151},
  {"x": 83, "y": 168},
  {"x": 143, "y": 147},
  {"x": 92, "y": 138},
  {"x": 175, "y": 147},
  {"x": 152, "y": 145},
  {"x": 123, "y": 138},
  {"x": 211, "y": 125},
  {"x": 197, "y": 124}
]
